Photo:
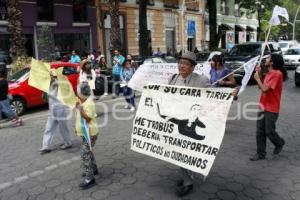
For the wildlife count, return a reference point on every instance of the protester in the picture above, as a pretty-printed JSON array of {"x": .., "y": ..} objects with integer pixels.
[
  {"x": 218, "y": 71},
  {"x": 186, "y": 77},
  {"x": 87, "y": 74},
  {"x": 134, "y": 64},
  {"x": 118, "y": 61},
  {"x": 269, "y": 105},
  {"x": 102, "y": 63},
  {"x": 59, "y": 116},
  {"x": 102, "y": 72},
  {"x": 86, "y": 112},
  {"x": 74, "y": 57},
  {"x": 158, "y": 52},
  {"x": 4, "y": 100},
  {"x": 127, "y": 72},
  {"x": 196, "y": 50}
]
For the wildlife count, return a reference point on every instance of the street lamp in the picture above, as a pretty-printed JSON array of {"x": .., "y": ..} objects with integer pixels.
[
  {"x": 294, "y": 23},
  {"x": 260, "y": 7}
]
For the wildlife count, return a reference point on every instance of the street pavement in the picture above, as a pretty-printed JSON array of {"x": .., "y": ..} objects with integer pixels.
[{"x": 124, "y": 174}]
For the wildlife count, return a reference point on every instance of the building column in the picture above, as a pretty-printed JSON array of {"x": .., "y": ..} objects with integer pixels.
[{"x": 99, "y": 26}]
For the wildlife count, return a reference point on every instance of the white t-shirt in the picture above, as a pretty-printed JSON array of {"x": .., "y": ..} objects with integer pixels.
[{"x": 83, "y": 78}]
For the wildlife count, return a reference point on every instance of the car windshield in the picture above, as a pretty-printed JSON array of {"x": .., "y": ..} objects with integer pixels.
[
  {"x": 293, "y": 52},
  {"x": 245, "y": 50},
  {"x": 202, "y": 56},
  {"x": 20, "y": 75},
  {"x": 283, "y": 45}
]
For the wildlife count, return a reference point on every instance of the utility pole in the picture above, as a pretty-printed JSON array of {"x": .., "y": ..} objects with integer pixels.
[
  {"x": 294, "y": 24},
  {"x": 182, "y": 25}
]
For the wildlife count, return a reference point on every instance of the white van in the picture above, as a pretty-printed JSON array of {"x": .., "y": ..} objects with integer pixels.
[{"x": 287, "y": 44}]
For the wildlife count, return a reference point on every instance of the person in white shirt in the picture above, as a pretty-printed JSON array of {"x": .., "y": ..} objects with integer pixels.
[{"x": 87, "y": 74}]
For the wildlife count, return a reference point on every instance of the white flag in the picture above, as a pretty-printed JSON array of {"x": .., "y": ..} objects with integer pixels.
[
  {"x": 248, "y": 67},
  {"x": 278, "y": 11}
]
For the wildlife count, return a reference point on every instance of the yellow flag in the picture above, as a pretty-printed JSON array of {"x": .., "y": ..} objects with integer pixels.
[
  {"x": 65, "y": 92},
  {"x": 39, "y": 76}
]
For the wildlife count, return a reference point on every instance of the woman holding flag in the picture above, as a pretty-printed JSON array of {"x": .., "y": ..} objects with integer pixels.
[{"x": 86, "y": 128}]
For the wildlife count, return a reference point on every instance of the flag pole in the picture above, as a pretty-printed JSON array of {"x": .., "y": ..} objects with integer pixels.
[{"x": 264, "y": 46}]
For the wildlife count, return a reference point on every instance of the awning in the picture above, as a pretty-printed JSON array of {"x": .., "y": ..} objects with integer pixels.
[
  {"x": 240, "y": 27},
  {"x": 251, "y": 28},
  {"x": 226, "y": 27}
]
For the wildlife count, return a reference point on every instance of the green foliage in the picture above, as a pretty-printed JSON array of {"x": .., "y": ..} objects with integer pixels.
[
  {"x": 285, "y": 28},
  {"x": 19, "y": 63},
  {"x": 46, "y": 43}
]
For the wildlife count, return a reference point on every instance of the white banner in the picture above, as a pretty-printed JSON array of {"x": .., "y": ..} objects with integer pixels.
[
  {"x": 278, "y": 11},
  {"x": 249, "y": 68},
  {"x": 181, "y": 125},
  {"x": 160, "y": 74}
]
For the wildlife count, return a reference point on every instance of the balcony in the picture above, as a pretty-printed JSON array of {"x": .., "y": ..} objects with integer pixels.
[
  {"x": 171, "y": 4},
  {"x": 192, "y": 5}
]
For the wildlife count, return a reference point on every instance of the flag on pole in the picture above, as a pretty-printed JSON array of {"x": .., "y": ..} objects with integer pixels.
[
  {"x": 86, "y": 132},
  {"x": 278, "y": 11},
  {"x": 249, "y": 68}
]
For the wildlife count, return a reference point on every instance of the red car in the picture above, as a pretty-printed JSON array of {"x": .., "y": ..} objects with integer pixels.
[{"x": 25, "y": 96}]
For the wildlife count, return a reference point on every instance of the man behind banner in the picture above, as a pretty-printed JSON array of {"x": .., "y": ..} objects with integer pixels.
[
  {"x": 186, "y": 77},
  {"x": 269, "y": 105}
]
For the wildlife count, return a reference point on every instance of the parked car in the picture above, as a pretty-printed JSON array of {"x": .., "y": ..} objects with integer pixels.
[
  {"x": 292, "y": 58},
  {"x": 297, "y": 76},
  {"x": 4, "y": 57},
  {"x": 206, "y": 56},
  {"x": 287, "y": 44},
  {"x": 24, "y": 96},
  {"x": 242, "y": 53}
]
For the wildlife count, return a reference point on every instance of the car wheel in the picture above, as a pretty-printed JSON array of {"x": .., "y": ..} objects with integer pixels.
[
  {"x": 18, "y": 105},
  {"x": 297, "y": 84}
]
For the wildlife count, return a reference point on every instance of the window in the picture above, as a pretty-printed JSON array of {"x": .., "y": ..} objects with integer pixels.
[
  {"x": 80, "y": 10},
  {"x": 68, "y": 70},
  {"x": 45, "y": 10},
  {"x": 150, "y": 2},
  {"x": 3, "y": 10},
  {"x": 171, "y": 3},
  {"x": 192, "y": 5}
]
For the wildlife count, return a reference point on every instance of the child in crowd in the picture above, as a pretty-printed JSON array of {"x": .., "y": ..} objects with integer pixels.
[
  {"x": 86, "y": 114},
  {"x": 4, "y": 100},
  {"x": 127, "y": 72}
]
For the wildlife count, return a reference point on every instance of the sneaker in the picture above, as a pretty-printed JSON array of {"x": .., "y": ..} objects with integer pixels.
[
  {"x": 44, "y": 151},
  {"x": 18, "y": 122},
  {"x": 278, "y": 149},
  {"x": 257, "y": 157},
  {"x": 105, "y": 94},
  {"x": 65, "y": 146},
  {"x": 132, "y": 109},
  {"x": 184, "y": 190},
  {"x": 87, "y": 184}
]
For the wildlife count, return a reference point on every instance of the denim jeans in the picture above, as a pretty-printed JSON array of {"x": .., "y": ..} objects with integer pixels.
[
  {"x": 116, "y": 84},
  {"x": 5, "y": 108},
  {"x": 129, "y": 95}
]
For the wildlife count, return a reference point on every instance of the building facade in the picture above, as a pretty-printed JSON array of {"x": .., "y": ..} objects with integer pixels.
[
  {"x": 236, "y": 25},
  {"x": 72, "y": 24},
  {"x": 169, "y": 28}
]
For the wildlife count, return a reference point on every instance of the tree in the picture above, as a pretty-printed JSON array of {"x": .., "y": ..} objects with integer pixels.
[
  {"x": 17, "y": 39},
  {"x": 264, "y": 14},
  {"x": 143, "y": 29},
  {"x": 46, "y": 43},
  {"x": 213, "y": 34},
  {"x": 115, "y": 33}
]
